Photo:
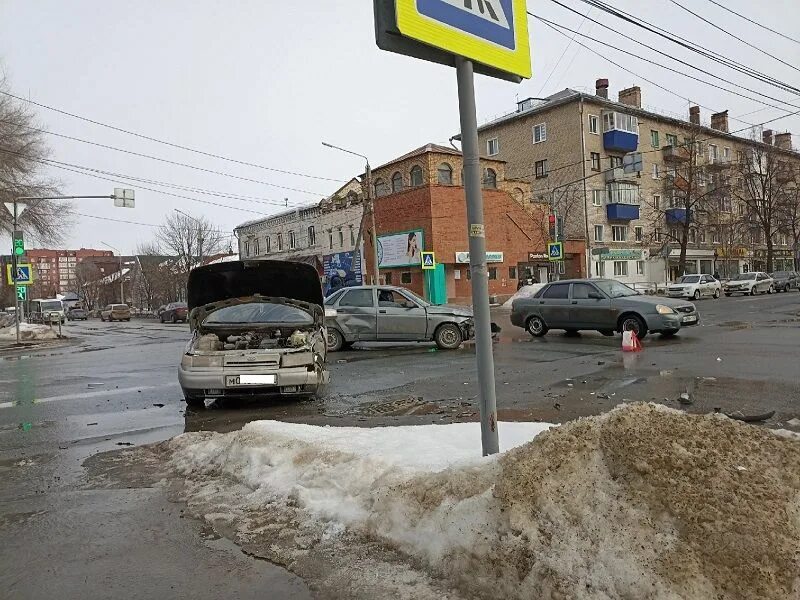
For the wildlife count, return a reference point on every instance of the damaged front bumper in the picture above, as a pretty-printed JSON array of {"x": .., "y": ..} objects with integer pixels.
[{"x": 220, "y": 382}]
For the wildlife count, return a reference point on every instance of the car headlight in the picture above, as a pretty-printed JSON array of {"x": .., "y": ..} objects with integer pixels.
[
  {"x": 194, "y": 360},
  {"x": 664, "y": 310}
]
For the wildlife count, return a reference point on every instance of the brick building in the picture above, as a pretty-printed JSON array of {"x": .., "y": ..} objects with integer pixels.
[
  {"x": 570, "y": 148},
  {"x": 55, "y": 270}
]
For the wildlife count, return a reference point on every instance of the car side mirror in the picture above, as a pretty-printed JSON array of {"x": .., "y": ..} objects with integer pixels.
[{"x": 595, "y": 296}]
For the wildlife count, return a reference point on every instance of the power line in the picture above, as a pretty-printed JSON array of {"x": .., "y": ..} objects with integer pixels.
[
  {"x": 166, "y": 143},
  {"x": 558, "y": 62},
  {"x": 127, "y": 222},
  {"x": 690, "y": 45},
  {"x": 730, "y": 10},
  {"x": 736, "y": 37}
]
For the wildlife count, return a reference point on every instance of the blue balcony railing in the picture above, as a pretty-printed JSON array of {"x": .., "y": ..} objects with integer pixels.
[
  {"x": 622, "y": 212},
  {"x": 620, "y": 141},
  {"x": 677, "y": 215}
]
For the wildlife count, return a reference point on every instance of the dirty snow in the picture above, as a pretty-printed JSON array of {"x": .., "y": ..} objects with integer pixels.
[
  {"x": 643, "y": 502},
  {"x": 28, "y": 331},
  {"x": 526, "y": 291}
]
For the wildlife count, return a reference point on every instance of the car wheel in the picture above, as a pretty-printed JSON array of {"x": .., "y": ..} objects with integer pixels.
[
  {"x": 633, "y": 323},
  {"x": 174, "y": 319},
  {"x": 770, "y": 289},
  {"x": 335, "y": 340},
  {"x": 160, "y": 318},
  {"x": 448, "y": 336},
  {"x": 194, "y": 399},
  {"x": 607, "y": 332},
  {"x": 716, "y": 294},
  {"x": 753, "y": 291},
  {"x": 536, "y": 326},
  {"x": 696, "y": 295},
  {"x": 102, "y": 318}
]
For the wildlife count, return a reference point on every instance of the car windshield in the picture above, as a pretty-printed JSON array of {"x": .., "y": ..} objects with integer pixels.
[
  {"x": 615, "y": 289},
  {"x": 52, "y": 305},
  {"x": 745, "y": 277},
  {"x": 416, "y": 298},
  {"x": 119, "y": 307},
  {"x": 689, "y": 279},
  {"x": 259, "y": 312},
  {"x": 781, "y": 274}
]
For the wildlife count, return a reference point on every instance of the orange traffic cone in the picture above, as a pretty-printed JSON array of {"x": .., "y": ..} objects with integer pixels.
[{"x": 630, "y": 342}]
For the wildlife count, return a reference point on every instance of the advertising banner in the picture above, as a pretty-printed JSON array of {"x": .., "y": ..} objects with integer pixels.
[
  {"x": 403, "y": 249},
  {"x": 341, "y": 270}
]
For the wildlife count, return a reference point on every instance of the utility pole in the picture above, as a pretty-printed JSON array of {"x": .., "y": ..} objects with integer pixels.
[{"x": 121, "y": 278}]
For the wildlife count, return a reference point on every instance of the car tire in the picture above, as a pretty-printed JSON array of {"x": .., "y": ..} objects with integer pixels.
[
  {"x": 753, "y": 291},
  {"x": 174, "y": 319},
  {"x": 102, "y": 318},
  {"x": 536, "y": 326},
  {"x": 635, "y": 323},
  {"x": 716, "y": 294},
  {"x": 334, "y": 340},
  {"x": 696, "y": 295},
  {"x": 448, "y": 336},
  {"x": 666, "y": 335},
  {"x": 193, "y": 399},
  {"x": 160, "y": 318},
  {"x": 770, "y": 289},
  {"x": 607, "y": 332}
]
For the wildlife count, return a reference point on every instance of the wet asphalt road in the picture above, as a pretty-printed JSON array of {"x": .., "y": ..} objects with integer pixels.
[{"x": 116, "y": 384}]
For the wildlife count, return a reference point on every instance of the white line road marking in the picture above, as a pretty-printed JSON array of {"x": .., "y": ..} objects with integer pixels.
[{"x": 95, "y": 394}]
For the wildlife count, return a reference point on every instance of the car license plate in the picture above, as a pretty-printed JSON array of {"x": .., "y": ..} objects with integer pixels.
[
  {"x": 689, "y": 319},
  {"x": 238, "y": 380}
]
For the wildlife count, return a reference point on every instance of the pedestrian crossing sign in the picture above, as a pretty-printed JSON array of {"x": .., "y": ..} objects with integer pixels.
[
  {"x": 23, "y": 275},
  {"x": 555, "y": 251},
  {"x": 428, "y": 261}
]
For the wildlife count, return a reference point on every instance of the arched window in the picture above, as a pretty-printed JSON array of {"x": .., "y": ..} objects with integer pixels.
[
  {"x": 416, "y": 175},
  {"x": 490, "y": 179},
  {"x": 518, "y": 194},
  {"x": 445, "y": 172},
  {"x": 397, "y": 182},
  {"x": 381, "y": 189}
]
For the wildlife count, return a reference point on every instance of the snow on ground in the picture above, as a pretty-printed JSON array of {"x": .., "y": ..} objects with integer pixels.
[
  {"x": 28, "y": 331},
  {"x": 526, "y": 291},
  {"x": 643, "y": 502}
]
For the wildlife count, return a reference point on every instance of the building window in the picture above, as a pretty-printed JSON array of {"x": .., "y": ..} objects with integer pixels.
[
  {"x": 330, "y": 238},
  {"x": 620, "y": 122},
  {"x": 312, "y": 236},
  {"x": 246, "y": 251},
  {"x": 594, "y": 124},
  {"x": 599, "y": 268},
  {"x": 445, "y": 172},
  {"x": 490, "y": 180},
  {"x": 388, "y": 278},
  {"x": 715, "y": 237},
  {"x": 416, "y": 175},
  {"x": 656, "y": 202},
  {"x": 673, "y": 233},
  {"x": 595, "y": 161},
  {"x": 492, "y": 272},
  {"x": 615, "y": 161},
  {"x": 381, "y": 189},
  {"x": 620, "y": 268},
  {"x": 598, "y": 233},
  {"x": 512, "y": 272},
  {"x": 712, "y": 152},
  {"x": 638, "y": 232},
  {"x": 657, "y": 234},
  {"x": 493, "y": 147},
  {"x": 597, "y": 197},
  {"x": 341, "y": 238},
  {"x": 397, "y": 182},
  {"x": 352, "y": 236},
  {"x": 726, "y": 153},
  {"x": 622, "y": 192},
  {"x": 654, "y": 138},
  {"x": 280, "y": 242},
  {"x": 640, "y": 267},
  {"x": 692, "y": 236},
  {"x": 540, "y": 133},
  {"x": 256, "y": 249},
  {"x": 541, "y": 168},
  {"x": 619, "y": 233},
  {"x": 405, "y": 277},
  {"x": 672, "y": 140},
  {"x": 655, "y": 171},
  {"x": 292, "y": 240},
  {"x": 267, "y": 244}
]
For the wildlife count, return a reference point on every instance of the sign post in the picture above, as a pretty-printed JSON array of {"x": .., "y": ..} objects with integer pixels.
[{"x": 490, "y": 37}]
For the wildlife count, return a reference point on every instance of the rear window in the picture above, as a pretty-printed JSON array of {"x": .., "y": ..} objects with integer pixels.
[
  {"x": 557, "y": 290},
  {"x": 119, "y": 307},
  {"x": 259, "y": 313},
  {"x": 52, "y": 305}
]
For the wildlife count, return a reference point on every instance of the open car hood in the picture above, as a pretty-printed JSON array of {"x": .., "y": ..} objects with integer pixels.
[
  {"x": 246, "y": 278},
  {"x": 198, "y": 314}
]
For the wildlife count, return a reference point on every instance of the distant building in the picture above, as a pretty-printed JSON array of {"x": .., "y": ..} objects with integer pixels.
[{"x": 55, "y": 271}]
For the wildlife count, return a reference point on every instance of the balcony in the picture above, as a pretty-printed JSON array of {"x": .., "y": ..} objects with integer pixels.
[
  {"x": 718, "y": 163},
  {"x": 676, "y": 181},
  {"x": 677, "y": 216},
  {"x": 675, "y": 154},
  {"x": 784, "y": 173},
  {"x": 619, "y": 174},
  {"x": 617, "y": 140},
  {"x": 622, "y": 212}
]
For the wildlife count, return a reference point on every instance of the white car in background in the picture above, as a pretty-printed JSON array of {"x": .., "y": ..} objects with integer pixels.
[
  {"x": 750, "y": 283},
  {"x": 695, "y": 287}
]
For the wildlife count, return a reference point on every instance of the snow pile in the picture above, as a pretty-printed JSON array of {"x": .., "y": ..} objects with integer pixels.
[
  {"x": 643, "y": 502},
  {"x": 6, "y": 321},
  {"x": 526, "y": 291},
  {"x": 28, "y": 331}
]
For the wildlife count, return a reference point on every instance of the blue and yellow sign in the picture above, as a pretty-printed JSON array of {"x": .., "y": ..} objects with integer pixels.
[
  {"x": 23, "y": 276},
  {"x": 555, "y": 251},
  {"x": 491, "y": 32},
  {"x": 428, "y": 261}
]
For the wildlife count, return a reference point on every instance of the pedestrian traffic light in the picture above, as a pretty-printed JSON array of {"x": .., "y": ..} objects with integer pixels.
[
  {"x": 552, "y": 219},
  {"x": 19, "y": 243}
]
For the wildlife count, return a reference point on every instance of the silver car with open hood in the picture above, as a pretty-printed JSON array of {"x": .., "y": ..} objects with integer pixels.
[{"x": 258, "y": 328}]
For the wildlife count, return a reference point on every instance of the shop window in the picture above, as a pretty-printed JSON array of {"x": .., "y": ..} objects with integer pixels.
[
  {"x": 405, "y": 277},
  {"x": 512, "y": 272}
]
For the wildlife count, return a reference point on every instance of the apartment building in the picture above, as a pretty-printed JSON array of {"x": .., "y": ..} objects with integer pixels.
[
  {"x": 572, "y": 146},
  {"x": 55, "y": 270}
]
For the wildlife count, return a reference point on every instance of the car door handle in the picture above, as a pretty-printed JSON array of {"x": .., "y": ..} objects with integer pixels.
[
  {"x": 383, "y": 312},
  {"x": 574, "y": 301}
]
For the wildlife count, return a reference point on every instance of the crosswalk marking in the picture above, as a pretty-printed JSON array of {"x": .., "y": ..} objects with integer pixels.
[{"x": 489, "y": 10}]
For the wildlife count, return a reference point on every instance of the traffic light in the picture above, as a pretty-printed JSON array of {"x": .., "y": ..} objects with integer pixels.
[{"x": 19, "y": 243}]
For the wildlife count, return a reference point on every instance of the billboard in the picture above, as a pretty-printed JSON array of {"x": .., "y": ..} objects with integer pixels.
[
  {"x": 341, "y": 269},
  {"x": 402, "y": 249}
]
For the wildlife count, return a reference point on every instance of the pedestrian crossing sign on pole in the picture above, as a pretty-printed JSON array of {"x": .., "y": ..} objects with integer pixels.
[
  {"x": 23, "y": 275},
  {"x": 428, "y": 261},
  {"x": 555, "y": 251}
]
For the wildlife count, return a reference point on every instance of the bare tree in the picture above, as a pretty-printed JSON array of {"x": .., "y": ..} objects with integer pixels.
[
  {"x": 88, "y": 280},
  {"x": 789, "y": 215},
  {"x": 189, "y": 238},
  {"x": 156, "y": 276},
  {"x": 23, "y": 155}
]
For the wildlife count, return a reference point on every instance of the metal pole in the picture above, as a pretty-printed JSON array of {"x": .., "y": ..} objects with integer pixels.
[
  {"x": 371, "y": 200},
  {"x": 477, "y": 255},
  {"x": 121, "y": 283},
  {"x": 14, "y": 264}
]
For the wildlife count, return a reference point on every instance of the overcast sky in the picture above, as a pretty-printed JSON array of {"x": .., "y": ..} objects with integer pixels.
[{"x": 265, "y": 81}]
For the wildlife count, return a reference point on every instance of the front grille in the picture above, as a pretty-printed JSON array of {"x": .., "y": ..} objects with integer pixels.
[
  {"x": 675, "y": 289},
  {"x": 252, "y": 361},
  {"x": 685, "y": 309}
]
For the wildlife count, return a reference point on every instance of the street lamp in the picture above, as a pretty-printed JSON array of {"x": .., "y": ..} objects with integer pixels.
[
  {"x": 371, "y": 204},
  {"x": 122, "y": 197},
  {"x": 121, "y": 283}
]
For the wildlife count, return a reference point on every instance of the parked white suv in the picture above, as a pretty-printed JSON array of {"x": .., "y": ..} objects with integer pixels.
[
  {"x": 694, "y": 287},
  {"x": 750, "y": 283}
]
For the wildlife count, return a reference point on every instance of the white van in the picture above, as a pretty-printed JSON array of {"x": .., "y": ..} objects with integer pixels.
[{"x": 46, "y": 311}]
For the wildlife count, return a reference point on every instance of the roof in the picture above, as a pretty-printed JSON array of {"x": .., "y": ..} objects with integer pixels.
[{"x": 277, "y": 215}]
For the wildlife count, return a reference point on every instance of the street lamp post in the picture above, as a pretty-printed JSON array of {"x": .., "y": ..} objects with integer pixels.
[
  {"x": 371, "y": 204},
  {"x": 121, "y": 278},
  {"x": 122, "y": 197}
]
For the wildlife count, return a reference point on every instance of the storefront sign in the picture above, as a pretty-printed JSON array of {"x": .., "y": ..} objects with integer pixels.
[
  {"x": 537, "y": 256},
  {"x": 491, "y": 257},
  {"x": 731, "y": 252},
  {"x": 621, "y": 255},
  {"x": 403, "y": 249}
]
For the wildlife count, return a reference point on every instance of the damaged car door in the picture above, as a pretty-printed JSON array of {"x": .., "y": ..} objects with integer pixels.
[
  {"x": 356, "y": 315},
  {"x": 400, "y": 318}
]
